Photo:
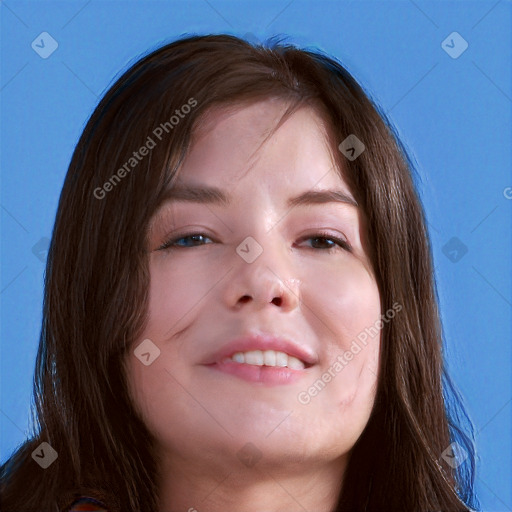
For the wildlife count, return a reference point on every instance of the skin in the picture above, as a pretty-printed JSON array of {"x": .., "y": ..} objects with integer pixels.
[{"x": 204, "y": 294}]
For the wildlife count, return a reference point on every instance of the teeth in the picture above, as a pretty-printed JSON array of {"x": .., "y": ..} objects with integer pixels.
[
  {"x": 268, "y": 358},
  {"x": 295, "y": 364},
  {"x": 281, "y": 359},
  {"x": 254, "y": 357},
  {"x": 238, "y": 357}
]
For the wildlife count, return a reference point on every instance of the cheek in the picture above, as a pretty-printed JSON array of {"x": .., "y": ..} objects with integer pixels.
[
  {"x": 157, "y": 394},
  {"x": 146, "y": 383},
  {"x": 174, "y": 291},
  {"x": 344, "y": 297},
  {"x": 346, "y": 312}
]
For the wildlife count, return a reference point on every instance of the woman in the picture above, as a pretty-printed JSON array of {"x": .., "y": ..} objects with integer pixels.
[{"x": 288, "y": 355}]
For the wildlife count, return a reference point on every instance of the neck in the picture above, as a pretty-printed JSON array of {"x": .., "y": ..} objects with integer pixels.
[{"x": 210, "y": 486}]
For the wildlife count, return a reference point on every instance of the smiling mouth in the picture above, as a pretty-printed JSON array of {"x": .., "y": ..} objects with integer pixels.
[
  {"x": 263, "y": 358},
  {"x": 268, "y": 367}
]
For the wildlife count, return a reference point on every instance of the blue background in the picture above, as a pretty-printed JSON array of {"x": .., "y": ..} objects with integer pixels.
[{"x": 454, "y": 115}]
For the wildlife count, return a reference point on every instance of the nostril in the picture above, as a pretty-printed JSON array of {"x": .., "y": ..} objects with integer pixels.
[{"x": 277, "y": 301}]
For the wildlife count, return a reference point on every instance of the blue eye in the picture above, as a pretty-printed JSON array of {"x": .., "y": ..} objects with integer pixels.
[
  {"x": 174, "y": 241},
  {"x": 197, "y": 238}
]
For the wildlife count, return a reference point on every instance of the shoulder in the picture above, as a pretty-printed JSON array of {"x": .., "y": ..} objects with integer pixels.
[{"x": 86, "y": 504}]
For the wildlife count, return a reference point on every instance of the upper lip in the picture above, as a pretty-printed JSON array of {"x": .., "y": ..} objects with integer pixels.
[{"x": 263, "y": 341}]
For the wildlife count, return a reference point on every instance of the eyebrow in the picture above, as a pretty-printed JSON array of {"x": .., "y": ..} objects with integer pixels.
[{"x": 213, "y": 195}]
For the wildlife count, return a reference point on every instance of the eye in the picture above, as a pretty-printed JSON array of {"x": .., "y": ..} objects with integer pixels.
[
  {"x": 174, "y": 242},
  {"x": 335, "y": 242}
]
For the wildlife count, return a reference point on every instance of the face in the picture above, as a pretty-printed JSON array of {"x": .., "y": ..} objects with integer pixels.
[{"x": 283, "y": 279}]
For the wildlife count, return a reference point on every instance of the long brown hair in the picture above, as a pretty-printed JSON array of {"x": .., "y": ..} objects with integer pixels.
[{"x": 96, "y": 285}]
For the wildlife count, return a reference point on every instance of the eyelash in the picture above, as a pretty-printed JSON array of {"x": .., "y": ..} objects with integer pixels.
[{"x": 340, "y": 243}]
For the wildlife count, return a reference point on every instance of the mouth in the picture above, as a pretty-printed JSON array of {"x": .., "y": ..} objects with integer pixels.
[{"x": 263, "y": 359}]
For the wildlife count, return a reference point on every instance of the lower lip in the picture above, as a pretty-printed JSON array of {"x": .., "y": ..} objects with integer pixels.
[{"x": 273, "y": 375}]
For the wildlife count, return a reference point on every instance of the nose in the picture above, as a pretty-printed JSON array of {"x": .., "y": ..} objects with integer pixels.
[{"x": 267, "y": 280}]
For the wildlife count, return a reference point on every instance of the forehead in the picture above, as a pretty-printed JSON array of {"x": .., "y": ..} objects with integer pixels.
[{"x": 254, "y": 142}]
